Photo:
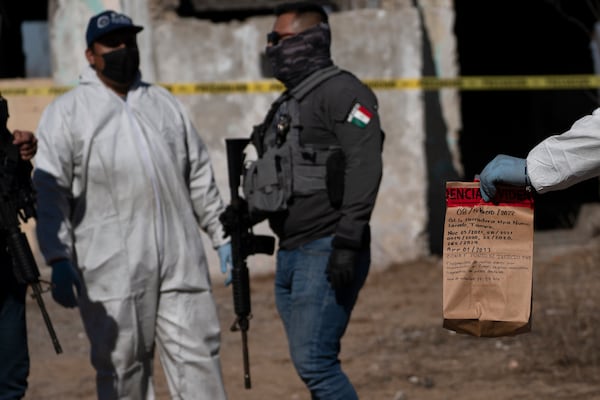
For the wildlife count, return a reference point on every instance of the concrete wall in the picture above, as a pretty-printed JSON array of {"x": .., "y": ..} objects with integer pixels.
[
  {"x": 67, "y": 24},
  {"x": 390, "y": 47},
  {"x": 372, "y": 43}
]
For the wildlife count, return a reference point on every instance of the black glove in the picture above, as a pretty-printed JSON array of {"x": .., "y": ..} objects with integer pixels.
[
  {"x": 340, "y": 269},
  {"x": 235, "y": 214}
]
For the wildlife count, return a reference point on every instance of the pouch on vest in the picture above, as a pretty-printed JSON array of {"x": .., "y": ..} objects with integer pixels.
[{"x": 267, "y": 183}]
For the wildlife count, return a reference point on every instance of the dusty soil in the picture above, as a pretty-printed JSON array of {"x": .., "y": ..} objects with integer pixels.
[{"x": 395, "y": 347}]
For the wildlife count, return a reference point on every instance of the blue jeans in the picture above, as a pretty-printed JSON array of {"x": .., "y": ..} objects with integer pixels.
[
  {"x": 315, "y": 317},
  {"x": 14, "y": 355}
]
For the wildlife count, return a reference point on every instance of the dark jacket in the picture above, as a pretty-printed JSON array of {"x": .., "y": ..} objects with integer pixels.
[{"x": 326, "y": 118}]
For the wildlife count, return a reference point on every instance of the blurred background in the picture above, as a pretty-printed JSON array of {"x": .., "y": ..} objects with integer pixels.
[{"x": 433, "y": 136}]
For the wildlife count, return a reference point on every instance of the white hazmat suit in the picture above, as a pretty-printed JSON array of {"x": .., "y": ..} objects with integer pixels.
[
  {"x": 123, "y": 187},
  {"x": 563, "y": 160}
]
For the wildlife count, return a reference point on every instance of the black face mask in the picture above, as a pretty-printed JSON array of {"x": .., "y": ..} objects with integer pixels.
[
  {"x": 121, "y": 65},
  {"x": 298, "y": 56}
]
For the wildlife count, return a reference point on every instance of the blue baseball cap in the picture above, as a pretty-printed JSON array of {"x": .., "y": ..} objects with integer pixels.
[{"x": 106, "y": 22}]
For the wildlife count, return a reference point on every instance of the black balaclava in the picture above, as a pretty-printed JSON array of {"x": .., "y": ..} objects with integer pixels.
[
  {"x": 298, "y": 56},
  {"x": 121, "y": 65}
]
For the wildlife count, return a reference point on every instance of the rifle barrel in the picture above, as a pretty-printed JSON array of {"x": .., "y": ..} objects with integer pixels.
[
  {"x": 247, "y": 382},
  {"x": 37, "y": 294}
]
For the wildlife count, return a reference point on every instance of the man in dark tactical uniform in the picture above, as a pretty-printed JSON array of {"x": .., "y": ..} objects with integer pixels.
[
  {"x": 323, "y": 227},
  {"x": 14, "y": 355}
]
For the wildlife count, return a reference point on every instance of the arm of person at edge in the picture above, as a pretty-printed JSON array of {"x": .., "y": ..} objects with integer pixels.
[
  {"x": 64, "y": 276},
  {"x": 204, "y": 193},
  {"x": 556, "y": 163},
  {"x": 52, "y": 181},
  {"x": 362, "y": 148}
]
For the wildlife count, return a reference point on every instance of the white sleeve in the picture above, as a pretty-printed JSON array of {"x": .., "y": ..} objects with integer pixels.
[
  {"x": 561, "y": 161},
  {"x": 206, "y": 199},
  {"x": 52, "y": 181}
]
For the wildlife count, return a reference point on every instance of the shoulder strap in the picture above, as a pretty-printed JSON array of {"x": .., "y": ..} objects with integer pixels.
[
  {"x": 303, "y": 88},
  {"x": 298, "y": 93},
  {"x": 275, "y": 105},
  {"x": 259, "y": 131},
  {"x": 308, "y": 84}
]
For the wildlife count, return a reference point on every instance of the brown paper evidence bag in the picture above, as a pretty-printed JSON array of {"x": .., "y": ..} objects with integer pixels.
[{"x": 487, "y": 261}]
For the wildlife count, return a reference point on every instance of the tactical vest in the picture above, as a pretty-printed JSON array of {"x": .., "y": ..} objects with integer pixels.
[{"x": 285, "y": 166}]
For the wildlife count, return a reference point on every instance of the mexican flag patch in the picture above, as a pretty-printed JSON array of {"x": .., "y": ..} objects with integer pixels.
[{"x": 359, "y": 116}]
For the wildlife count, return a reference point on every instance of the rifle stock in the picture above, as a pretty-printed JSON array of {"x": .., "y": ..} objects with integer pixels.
[{"x": 243, "y": 244}]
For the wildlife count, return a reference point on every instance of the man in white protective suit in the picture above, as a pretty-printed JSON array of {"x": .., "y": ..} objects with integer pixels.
[
  {"x": 124, "y": 183},
  {"x": 556, "y": 163}
]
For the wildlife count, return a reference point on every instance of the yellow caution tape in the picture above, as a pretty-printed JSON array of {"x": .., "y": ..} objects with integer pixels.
[
  {"x": 464, "y": 83},
  {"x": 34, "y": 91},
  {"x": 490, "y": 83},
  {"x": 265, "y": 86}
]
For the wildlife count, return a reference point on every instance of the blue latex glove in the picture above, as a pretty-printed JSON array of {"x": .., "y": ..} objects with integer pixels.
[
  {"x": 502, "y": 169},
  {"x": 64, "y": 278},
  {"x": 226, "y": 263}
]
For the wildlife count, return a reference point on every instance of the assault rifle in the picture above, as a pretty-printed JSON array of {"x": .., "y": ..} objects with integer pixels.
[
  {"x": 243, "y": 244},
  {"x": 18, "y": 203}
]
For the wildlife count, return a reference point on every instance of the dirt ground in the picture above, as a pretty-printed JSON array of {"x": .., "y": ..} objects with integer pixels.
[{"x": 395, "y": 347}]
